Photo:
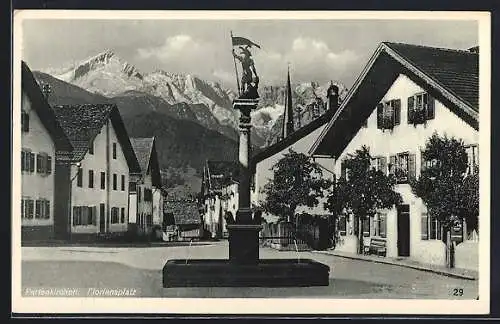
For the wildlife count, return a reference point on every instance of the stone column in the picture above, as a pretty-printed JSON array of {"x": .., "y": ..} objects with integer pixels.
[{"x": 244, "y": 233}]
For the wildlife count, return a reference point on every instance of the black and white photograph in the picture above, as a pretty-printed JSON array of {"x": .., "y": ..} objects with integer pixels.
[{"x": 251, "y": 162}]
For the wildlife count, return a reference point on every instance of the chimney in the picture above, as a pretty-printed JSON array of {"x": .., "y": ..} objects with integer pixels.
[{"x": 332, "y": 95}]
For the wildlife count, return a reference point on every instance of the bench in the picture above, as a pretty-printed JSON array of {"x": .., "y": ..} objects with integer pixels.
[{"x": 377, "y": 246}]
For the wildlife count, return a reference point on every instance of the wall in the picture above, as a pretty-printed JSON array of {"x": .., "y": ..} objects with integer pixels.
[
  {"x": 85, "y": 196},
  {"x": 405, "y": 137},
  {"x": 144, "y": 208},
  {"x": 157, "y": 207},
  {"x": 37, "y": 186},
  {"x": 264, "y": 173},
  {"x": 467, "y": 255}
]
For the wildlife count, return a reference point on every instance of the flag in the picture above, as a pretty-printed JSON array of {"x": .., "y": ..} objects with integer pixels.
[{"x": 241, "y": 41}]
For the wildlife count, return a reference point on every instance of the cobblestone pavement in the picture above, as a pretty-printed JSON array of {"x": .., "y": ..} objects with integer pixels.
[{"x": 141, "y": 268}]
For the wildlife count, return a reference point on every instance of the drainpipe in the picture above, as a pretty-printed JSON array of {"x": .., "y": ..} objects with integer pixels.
[{"x": 108, "y": 182}]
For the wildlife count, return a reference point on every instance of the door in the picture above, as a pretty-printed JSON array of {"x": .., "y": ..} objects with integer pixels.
[
  {"x": 404, "y": 230},
  {"x": 102, "y": 218}
]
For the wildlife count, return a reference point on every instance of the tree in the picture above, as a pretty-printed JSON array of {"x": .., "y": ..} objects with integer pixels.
[
  {"x": 449, "y": 192},
  {"x": 362, "y": 191},
  {"x": 297, "y": 182}
]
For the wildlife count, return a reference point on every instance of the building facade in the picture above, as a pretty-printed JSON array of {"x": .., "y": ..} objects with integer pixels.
[
  {"x": 101, "y": 165},
  {"x": 406, "y": 94},
  {"x": 41, "y": 138},
  {"x": 144, "y": 207}
]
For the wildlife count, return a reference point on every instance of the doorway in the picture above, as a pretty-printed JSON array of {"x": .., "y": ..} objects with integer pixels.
[
  {"x": 404, "y": 230},
  {"x": 102, "y": 218}
]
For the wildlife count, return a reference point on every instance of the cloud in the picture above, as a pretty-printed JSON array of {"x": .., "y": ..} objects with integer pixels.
[{"x": 174, "y": 47}]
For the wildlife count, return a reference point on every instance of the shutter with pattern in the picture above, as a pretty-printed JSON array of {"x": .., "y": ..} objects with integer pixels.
[
  {"x": 380, "y": 115},
  {"x": 29, "y": 208},
  {"x": 38, "y": 209},
  {"x": 430, "y": 113},
  {"x": 39, "y": 163},
  {"x": 411, "y": 166},
  {"x": 75, "y": 212},
  {"x": 47, "y": 209},
  {"x": 411, "y": 109},
  {"x": 383, "y": 165},
  {"x": 392, "y": 164},
  {"x": 49, "y": 165},
  {"x": 397, "y": 111},
  {"x": 32, "y": 162},
  {"x": 23, "y": 159}
]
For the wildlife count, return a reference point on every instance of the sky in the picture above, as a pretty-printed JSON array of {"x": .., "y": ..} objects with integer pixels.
[{"x": 315, "y": 50}]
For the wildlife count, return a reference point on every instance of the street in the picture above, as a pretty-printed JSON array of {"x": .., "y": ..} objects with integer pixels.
[{"x": 140, "y": 268}]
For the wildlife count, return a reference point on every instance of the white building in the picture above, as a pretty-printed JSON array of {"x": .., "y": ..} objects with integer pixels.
[
  {"x": 404, "y": 95},
  {"x": 41, "y": 138},
  {"x": 102, "y": 162},
  {"x": 146, "y": 200},
  {"x": 219, "y": 195}
]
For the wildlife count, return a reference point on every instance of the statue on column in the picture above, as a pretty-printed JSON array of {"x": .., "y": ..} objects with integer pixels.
[{"x": 249, "y": 78}]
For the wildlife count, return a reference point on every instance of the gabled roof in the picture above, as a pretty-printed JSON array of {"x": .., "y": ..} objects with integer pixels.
[
  {"x": 43, "y": 110},
  {"x": 82, "y": 123},
  {"x": 292, "y": 138},
  {"x": 145, "y": 151},
  {"x": 449, "y": 75},
  {"x": 185, "y": 212}
]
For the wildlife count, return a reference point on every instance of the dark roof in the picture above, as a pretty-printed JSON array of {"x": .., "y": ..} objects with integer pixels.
[
  {"x": 292, "y": 138},
  {"x": 42, "y": 108},
  {"x": 184, "y": 212},
  {"x": 82, "y": 123},
  {"x": 145, "y": 151},
  {"x": 220, "y": 174},
  {"x": 420, "y": 64},
  {"x": 456, "y": 70}
]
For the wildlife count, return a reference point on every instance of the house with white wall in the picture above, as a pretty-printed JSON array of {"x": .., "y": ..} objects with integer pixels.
[
  {"x": 145, "y": 199},
  {"x": 42, "y": 138},
  {"x": 219, "y": 196},
  {"x": 404, "y": 95},
  {"x": 101, "y": 165}
]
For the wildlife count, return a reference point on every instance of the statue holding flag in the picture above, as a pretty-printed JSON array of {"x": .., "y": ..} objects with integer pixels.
[{"x": 249, "y": 78}]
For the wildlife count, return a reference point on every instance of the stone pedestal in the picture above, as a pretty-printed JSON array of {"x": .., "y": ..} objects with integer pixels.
[{"x": 244, "y": 243}]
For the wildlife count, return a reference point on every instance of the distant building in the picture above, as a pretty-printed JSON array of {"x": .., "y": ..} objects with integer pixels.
[
  {"x": 404, "y": 95},
  {"x": 182, "y": 219},
  {"x": 219, "y": 194},
  {"x": 101, "y": 164},
  {"x": 44, "y": 201},
  {"x": 146, "y": 199}
]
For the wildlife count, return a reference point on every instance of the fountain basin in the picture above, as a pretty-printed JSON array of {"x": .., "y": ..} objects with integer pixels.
[{"x": 263, "y": 273}]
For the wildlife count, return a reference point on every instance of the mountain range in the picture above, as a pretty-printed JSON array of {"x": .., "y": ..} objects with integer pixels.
[{"x": 192, "y": 118}]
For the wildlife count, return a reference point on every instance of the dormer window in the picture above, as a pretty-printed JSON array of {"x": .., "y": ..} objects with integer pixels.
[
  {"x": 25, "y": 121},
  {"x": 420, "y": 108}
]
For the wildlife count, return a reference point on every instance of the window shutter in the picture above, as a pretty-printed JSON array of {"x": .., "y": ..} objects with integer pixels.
[
  {"x": 23, "y": 159},
  {"x": 47, "y": 209},
  {"x": 392, "y": 162},
  {"x": 32, "y": 162},
  {"x": 85, "y": 216},
  {"x": 123, "y": 216},
  {"x": 380, "y": 115},
  {"x": 342, "y": 170},
  {"x": 397, "y": 111},
  {"x": 411, "y": 109},
  {"x": 49, "y": 164},
  {"x": 39, "y": 163},
  {"x": 29, "y": 208},
  {"x": 38, "y": 207},
  {"x": 411, "y": 166},
  {"x": 383, "y": 165},
  {"x": 75, "y": 211},
  {"x": 123, "y": 182},
  {"x": 25, "y": 121},
  {"x": 430, "y": 113},
  {"x": 382, "y": 224},
  {"x": 94, "y": 215},
  {"x": 424, "y": 226},
  {"x": 22, "y": 208}
]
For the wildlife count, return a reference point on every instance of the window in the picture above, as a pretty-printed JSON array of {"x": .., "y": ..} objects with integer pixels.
[
  {"x": 389, "y": 114},
  {"x": 91, "y": 178},
  {"x": 344, "y": 171},
  {"x": 27, "y": 208},
  {"x": 25, "y": 121},
  {"x": 424, "y": 227},
  {"x": 103, "y": 180},
  {"x": 114, "y": 151},
  {"x": 430, "y": 227},
  {"x": 472, "y": 158},
  {"x": 342, "y": 225},
  {"x": 366, "y": 226},
  {"x": 380, "y": 224},
  {"x": 148, "y": 194},
  {"x": 43, "y": 164},
  {"x": 420, "y": 108},
  {"x": 42, "y": 209},
  {"x": 131, "y": 187},
  {"x": 403, "y": 166},
  {"x": 27, "y": 161},
  {"x": 114, "y": 215},
  {"x": 84, "y": 215},
  {"x": 114, "y": 181},
  {"x": 122, "y": 216},
  {"x": 79, "y": 177},
  {"x": 123, "y": 182},
  {"x": 91, "y": 148},
  {"x": 379, "y": 163}
]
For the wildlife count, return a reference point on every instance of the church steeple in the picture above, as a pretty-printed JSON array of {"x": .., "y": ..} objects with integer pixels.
[{"x": 288, "y": 126}]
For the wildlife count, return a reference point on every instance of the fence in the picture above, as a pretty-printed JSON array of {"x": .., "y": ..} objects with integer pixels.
[{"x": 282, "y": 236}]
